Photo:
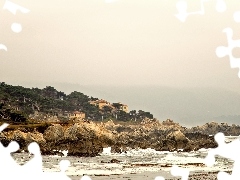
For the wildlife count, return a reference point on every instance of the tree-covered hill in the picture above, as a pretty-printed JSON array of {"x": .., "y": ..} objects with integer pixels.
[{"x": 17, "y": 103}]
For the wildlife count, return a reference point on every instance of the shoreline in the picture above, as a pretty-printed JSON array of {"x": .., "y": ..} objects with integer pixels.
[
  {"x": 151, "y": 176},
  {"x": 141, "y": 165}
]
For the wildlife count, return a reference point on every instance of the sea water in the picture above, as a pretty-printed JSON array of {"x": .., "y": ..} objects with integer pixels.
[{"x": 134, "y": 161}]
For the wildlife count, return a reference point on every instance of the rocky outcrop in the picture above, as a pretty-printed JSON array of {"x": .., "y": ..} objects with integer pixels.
[
  {"x": 166, "y": 136},
  {"x": 80, "y": 139},
  {"x": 199, "y": 140},
  {"x": 89, "y": 138},
  {"x": 23, "y": 139},
  {"x": 35, "y": 137},
  {"x": 179, "y": 138},
  {"x": 212, "y": 128},
  {"x": 54, "y": 133}
]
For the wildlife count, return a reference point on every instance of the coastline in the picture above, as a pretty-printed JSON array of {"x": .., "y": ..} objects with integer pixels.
[
  {"x": 152, "y": 176},
  {"x": 134, "y": 165},
  {"x": 88, "y": 138}
]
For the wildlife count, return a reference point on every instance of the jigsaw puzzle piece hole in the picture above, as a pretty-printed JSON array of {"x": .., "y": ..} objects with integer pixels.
[
  {"x": 220, "y": 138},
  {"x": 223, "y": 176},
  {"x": 182, "y": 172},
  {"x": 236, "y": 16},
  {"x": 33, "y": 148},
  {"x": 210, "y": 159},
  {"x": 159, "y": 178},
  {"x": 221, "y": 51},
  {"x": 13, "y": 146},
  {"x": 221, "y": 6},
  {"x": 64, "y": 164},
  {"x": 181, "y": 6}
]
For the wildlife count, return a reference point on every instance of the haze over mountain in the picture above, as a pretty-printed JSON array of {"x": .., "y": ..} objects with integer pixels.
[{"x": 188, "y": 106}]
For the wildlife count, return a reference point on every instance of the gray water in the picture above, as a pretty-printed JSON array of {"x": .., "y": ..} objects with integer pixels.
[{"x": 135, "y": 164}]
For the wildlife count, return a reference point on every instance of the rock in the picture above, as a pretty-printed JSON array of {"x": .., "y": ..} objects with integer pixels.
[
  {"x": 150, "y": 124},
  {"x": 86, "y": 139},
  {"x": 121, "y": 129},
  {"x": 87, "y": 131},
  {"x": 20, "y": 137},
  {"x": 4, "y": 139},
  {"x": 169, "y": 122},
  {"x": 24, "y": 139},
  {"x": 177, "y": 139},
  {"x": 72, "y": 133},
  {"x": 177, "y": 136},
  {"x": 109, "y": 125},
  {"x": 54, "y": 133},
  {"x": 111, "y": 161},
  {"x": 35, "y": 137},
  {"x": 89, "y": 138},
  {"x": 213, "y": 128},
  {"x": 114, "y": 161},
  {"x": 168, "y": 145},
  {"x": 199, "y": 140}
]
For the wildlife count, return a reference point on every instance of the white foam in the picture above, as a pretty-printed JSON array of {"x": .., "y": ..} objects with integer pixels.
[
  {"x": 65, "y": 153},
  {"x": 143, "y": 152},
  {"x": 171, "y": 158},
  {"x": 107, "y": 151},
  {"x": 203, "y": 150}
]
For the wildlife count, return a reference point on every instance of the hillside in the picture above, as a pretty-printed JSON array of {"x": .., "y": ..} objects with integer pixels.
[
  {"x": 188, "y": 106},
  {"x": 19, "y": 104}
]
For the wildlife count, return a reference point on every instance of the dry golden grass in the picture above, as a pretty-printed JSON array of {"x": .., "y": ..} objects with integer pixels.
[
  {"x": 33, "y": 124},
  {"x": 30, "y": 126}
]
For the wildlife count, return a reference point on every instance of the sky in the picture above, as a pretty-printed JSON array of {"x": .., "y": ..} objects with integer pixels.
[{"x": 119, "y": 44}]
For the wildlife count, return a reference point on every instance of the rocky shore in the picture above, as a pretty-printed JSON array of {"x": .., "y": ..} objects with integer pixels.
[{"x": 87, "y": 138}]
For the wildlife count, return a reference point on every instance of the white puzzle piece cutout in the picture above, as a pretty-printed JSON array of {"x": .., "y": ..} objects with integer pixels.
[
  {"x": 159, "y": 178},
  {"x": 236, "y": 16},
  {"x": 3, "y": 47},
  {"x": 221, "y": 6},
  {"x": 229, "y": 151},
  {"x": 178, "y": 171},
  {"x": 182, "y": 9},
  {"x": 13, "y": 8},
  {"x": 223, "y": 51},
  {"x": 9, "y": 169}
]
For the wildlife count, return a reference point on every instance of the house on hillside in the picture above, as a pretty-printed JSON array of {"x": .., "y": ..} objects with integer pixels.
[
  {"x": 100, "y": 103},
  {"x": 115, "y": 106},
  {"x": 120, "y": 106},
  {"x": 124, "y": 107}
]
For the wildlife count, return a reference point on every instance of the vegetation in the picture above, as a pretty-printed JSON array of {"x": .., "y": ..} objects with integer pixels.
[
  {"x": 9, "y": 115},
  {"x": 17, "y": 103}
]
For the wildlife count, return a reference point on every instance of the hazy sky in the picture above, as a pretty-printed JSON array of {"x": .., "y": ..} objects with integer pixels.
[
  {"x": 129, "y": 42},
  {"x": 86, "y": 45}
]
